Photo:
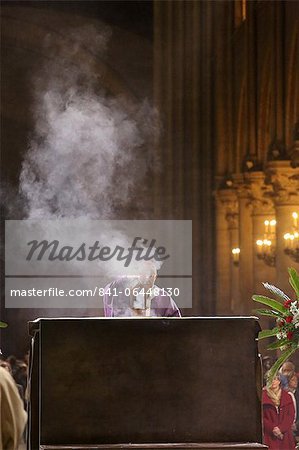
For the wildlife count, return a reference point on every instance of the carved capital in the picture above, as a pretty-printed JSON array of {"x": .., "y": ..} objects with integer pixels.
[
  {"x": 227, "y": 202},
  {"x": 285, "y": 181},
  {"x": 260, "y": 195},
  {"x": 240, "y": 186},
  {"x": 232, "y": 220}
]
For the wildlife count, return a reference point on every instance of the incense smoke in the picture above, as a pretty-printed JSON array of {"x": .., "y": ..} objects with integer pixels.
[{"x": 88, "y": 149}]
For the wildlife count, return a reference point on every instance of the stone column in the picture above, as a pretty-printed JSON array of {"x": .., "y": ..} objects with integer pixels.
[
  {"x": 183, "y": 90},
  {"x": 245, "y": 243},
  {"x": 261, "y": 199},
  {"x": 285, "y": 181},
  {"x": 227, "y": 238},
  {"x": 235, "y": 298},
  {"x": 262, "y": 207}
]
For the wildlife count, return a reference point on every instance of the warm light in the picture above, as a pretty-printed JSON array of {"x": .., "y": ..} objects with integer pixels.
[
  {"x": 291, "y": 247},
  {"x": 269, "y": 224},
  {"x": 266, "y": 242},
  {"x": 266, "y": 246},
  {"x": 244, "y": 12},
  {"x": 235, "y": 253},
  {"x": 295, "y": 219}
]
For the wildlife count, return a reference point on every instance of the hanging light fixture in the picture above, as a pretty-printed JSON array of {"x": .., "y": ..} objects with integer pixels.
[
  {"x": 236, "y": 256},
  {"x": 266, "y": 246}
]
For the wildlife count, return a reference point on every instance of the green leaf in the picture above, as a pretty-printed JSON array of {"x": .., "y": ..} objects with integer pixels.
[
  {"x": 274, "y": 304},
  {"x": 276, "y": 366},
  {"x": 267, "y": 312},
  {"x": 268, "y": 333},
  {"x": 278, "y": 344},
  {"x": 294, "y": 280},
  {"x": 3, "y": 324}
]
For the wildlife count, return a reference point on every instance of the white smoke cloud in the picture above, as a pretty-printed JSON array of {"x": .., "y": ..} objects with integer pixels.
[{"x": 88, "y": 151}]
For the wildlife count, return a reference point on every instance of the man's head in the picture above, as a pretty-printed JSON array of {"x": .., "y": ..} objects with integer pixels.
[
  {"x": 148, "y": 275},
  {"x": 287, "y": 368}
]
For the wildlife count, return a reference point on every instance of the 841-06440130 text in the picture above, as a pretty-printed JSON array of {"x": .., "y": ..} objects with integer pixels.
[{"x": 97, "y": 291}]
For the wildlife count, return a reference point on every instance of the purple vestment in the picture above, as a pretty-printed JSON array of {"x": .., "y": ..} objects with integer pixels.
[{"x": 118, "y": 302}]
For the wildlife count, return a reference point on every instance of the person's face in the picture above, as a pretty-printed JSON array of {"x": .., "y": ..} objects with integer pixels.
[
  {"x": 149, "y": 279},
  {"x": 5, "y": 366},
  {"x": 293, "y": 383},
  {"x": 275, "y": 383}
]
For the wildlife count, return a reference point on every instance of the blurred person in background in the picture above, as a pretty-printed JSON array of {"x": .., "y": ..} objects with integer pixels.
[
  {"x": 278, "y": 416},
  {"x": 286, "y": 371},
  {"x": 12, "y": 360},
  {"x": 293, "y": 390},
  {"x": 21, "y": 386},
  {"x": 267, "y": 363},
  {"x": 12, "y": 414},
  {"x": 6, "y": 366}
]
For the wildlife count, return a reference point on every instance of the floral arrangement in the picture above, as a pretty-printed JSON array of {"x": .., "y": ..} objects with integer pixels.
[{"x": 285, "y": 311}]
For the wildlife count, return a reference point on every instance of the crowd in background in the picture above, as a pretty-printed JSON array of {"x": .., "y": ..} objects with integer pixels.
[
  {"x": 18, "y": 368},
  {"x": 280, "y": 402},
  {"x": 13, "y": 401}
]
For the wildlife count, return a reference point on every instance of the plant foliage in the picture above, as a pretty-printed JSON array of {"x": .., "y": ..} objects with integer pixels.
[{"x": 286, "y": 313}]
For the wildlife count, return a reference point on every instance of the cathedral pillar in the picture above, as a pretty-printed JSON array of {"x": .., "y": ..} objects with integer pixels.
[
  {"x": 227, "y": 290},
  {"x": 245, "y": 244},
  {"x": 262, "y": 209},
  {"x": 285, "y": 181},
  {"x": 235, "y": 298},
  {"x": 183, "y": 90}
]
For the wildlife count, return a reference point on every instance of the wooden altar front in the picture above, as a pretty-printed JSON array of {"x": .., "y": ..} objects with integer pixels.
[{"x": 145, "y": 383}]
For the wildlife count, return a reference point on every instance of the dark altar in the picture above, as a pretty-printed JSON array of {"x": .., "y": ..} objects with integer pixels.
[{"x": 154, "y": 383}]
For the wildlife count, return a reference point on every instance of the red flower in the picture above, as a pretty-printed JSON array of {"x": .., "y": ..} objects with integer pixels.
[
  {"x": 287, "y": 303},
  {"x": 289, "y": 319},
  {"x": 290, "y": 335}
]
